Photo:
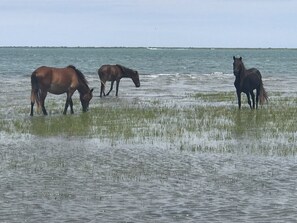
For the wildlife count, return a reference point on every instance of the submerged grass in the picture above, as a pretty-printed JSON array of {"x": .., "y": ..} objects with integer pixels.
[
  {"x": 215, "y": 97},
  {"x": 269, "y": 130}
]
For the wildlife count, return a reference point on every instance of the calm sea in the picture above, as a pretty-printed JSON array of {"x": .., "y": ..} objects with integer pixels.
[
  {"x": 277, "y": 63},
  {"x": 50, "y": 179},
  {"x": 278, "y": 66}
]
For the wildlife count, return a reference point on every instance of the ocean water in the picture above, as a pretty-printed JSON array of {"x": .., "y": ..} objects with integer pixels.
[
  {"x": 278, "y": 63},
  {"x": 50, "y": 179},
  {"x": 210, "y": 66}
]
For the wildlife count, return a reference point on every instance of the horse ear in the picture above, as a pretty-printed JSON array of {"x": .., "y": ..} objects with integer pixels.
[
  {"x": 240, "y": 58},
  {"x": 92, "y": 90},
  {"x": 233, "y": 57}
]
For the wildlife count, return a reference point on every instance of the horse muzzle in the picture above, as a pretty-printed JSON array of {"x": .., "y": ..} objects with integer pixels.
[{"x": 85, "y": 109}]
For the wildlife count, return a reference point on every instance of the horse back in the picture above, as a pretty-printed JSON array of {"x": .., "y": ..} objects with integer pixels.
[
  {"x": 109, "y": 73},
  {"x": 56, "y": 80},
  {"x": 43, "y": 75},
  {"x": 252, "y": 80},
  {"x": 254, "y": 75},
  {"x": 254, "y": 72}
]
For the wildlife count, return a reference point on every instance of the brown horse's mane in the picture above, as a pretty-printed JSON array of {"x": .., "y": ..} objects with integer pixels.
[
  {"x": 79, "y": 74},
  {"x": 125, "y": 70}
]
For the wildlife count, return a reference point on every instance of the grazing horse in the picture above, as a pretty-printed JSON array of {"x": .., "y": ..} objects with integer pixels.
[
  {"x": 115, "y": 73},
  {"x": 246, "y": 80},
  {"x": 59, "y": 81}
]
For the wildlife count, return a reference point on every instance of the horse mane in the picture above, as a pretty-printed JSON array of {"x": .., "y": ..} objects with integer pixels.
[
  {"x": 79, "y": 74},
  {"x": 125, "y": 70},
  {"x": 243, "y": 66}
]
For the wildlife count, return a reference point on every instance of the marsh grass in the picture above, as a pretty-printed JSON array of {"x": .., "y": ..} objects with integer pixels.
[
  {"x": 215, "y": 97},
  {"x": 268, "y": 130}
]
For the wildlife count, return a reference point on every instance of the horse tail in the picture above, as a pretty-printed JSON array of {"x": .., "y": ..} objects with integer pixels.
[
  {"x": 100, "y": 73},
  {"x": 263, "y": 94},
  {"x": 35, "y": 93}
]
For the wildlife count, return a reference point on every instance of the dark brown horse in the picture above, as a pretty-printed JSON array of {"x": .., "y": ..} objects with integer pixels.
[
  {"x": 115, "y": 73},
  {"x": 59, "y": 81},
  {"x": 246, "y": 80}
]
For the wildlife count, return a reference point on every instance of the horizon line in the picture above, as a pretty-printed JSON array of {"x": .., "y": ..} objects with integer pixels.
[{"x": 149, "y": 47}]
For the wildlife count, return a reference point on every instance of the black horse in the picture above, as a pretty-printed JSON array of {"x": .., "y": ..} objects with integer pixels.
[
  {"x": 116, "y": 73},
  {"x": 246, "y": 80}
]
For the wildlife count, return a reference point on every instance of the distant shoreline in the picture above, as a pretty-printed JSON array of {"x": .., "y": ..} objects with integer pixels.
[{"x": 149, "y": 48}]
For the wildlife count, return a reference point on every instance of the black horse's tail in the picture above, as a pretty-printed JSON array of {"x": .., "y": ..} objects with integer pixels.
[
  {"x": 35, "y": 92},
  {"x": 263, "y": 94}
]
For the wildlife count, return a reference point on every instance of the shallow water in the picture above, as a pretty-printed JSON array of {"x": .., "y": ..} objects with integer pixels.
[
  {"x": 49, "y": 180},
  {"x": 148, "y": 179}
]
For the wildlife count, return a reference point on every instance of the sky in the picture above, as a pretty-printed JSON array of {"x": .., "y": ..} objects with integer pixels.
[{"x": 149, "y": 23}]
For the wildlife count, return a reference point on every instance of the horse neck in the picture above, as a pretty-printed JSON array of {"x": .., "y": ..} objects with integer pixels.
[
  {"x": 83, "y": 88},
  {"x": 240, "y": 78},
  {"x": 125, "y": 74},
  {"x": 242, "y": 72}
]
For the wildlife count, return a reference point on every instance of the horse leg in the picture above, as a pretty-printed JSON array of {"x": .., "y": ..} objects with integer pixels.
[
  {"x": 239, "y": 98},
  {"x": 71, "y": 106},
  {"x": 32, "y": 105},
  {"x": 42, "y": 99},
  {"x": 253, "y": 98},
  {"x": 43, "y": 109},
  {"x": 33, "y": 98},
  {"x": 257, "y": 97},
  {"x": 69, "y": 101},
  {"x": 66, "y": 103},
  {"x": 111, "y": 87},
  {"x": 102, "y": 89},
  {"x": 117, "y": 88},
  {"x": 66, "y": 106},
  {"x": 249, "y": 100}
]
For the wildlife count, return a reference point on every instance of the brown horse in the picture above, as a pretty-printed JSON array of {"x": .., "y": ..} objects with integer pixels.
[
  {"x": 115, "y": 73},
  {"x": 59, "y": 81},
  {"x": 246, "y": 80}
]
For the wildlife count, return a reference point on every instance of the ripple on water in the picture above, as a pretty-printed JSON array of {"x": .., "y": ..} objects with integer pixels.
[{"x": 67, "y": 179}]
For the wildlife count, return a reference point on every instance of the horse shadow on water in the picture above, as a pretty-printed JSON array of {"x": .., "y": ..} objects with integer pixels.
[
  {"x": 115, "y": 73},
  {"x": 247, "y": 80}
]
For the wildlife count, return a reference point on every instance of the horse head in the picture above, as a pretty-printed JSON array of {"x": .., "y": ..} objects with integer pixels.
[
  {"x": 237, "y": 66},
  {"x": 85, "y": 99},
  {"x": 133, "y": 74},
  {"x": 135, "y": 78}
]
